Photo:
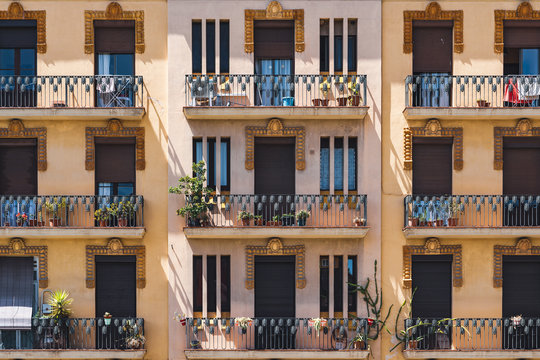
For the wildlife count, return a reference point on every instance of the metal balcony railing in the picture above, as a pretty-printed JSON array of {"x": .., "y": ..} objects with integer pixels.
[
  {"x": 276, "y": 334},
  {"x": 71, "y": 211},
  {"x": 286, "y": 210},
  {"x": 95, "y": 91},
  {"x": 76, "y": 334},
  {"x": 476, "y": 211},
  {"x": 466, "y": 91},
  {"x": 482, "y": 334},
  {"x": 248, "y": 90}
]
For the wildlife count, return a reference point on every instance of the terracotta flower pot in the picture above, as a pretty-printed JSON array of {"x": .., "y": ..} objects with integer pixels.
[
  {"x": 245, "y": 222},
  {"x": 122, "y": 222},
  {"x": 32, "y": 222},
  {"x": 483, "y": 103},
  {"x": 54, "y": 222},
  {"x": 342, "y": 101},
  {"x": 431, "y": 223},
  {"x": 355, "y": 100},
  {"x": 413, "y": 345},
  {"x": 103, "y": 223},
  {"x": 258, "y": 222},
  {"x": 320, "y": 102},
  {"x": 359, "y": 345},
  {"x": 20, "y": 223},
  {"x": 452, "y": 222},
  {"x": 439, "y": 222},
  {"x": 413, "y": 222}
]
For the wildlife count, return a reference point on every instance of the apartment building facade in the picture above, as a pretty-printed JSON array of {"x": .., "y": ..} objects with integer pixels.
[
  {"x": 82, "y": 149},
  {"x": 460, "y": 196},
  {"x": 281, "y": 100}
]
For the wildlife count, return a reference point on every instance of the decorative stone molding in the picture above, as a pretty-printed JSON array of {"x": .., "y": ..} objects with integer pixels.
[
  {"x": 523, "y": 128},
  {"x": 275, "y": 247},
  {"x": 432, "y": 247},
  {"x": 522, "y": 247},
  {"x": 433, "y": 128},
  {"x": 274, "y": 11},
  {"x": 433, "y": 12},
  {"x": 114, "y": 128},
  {"x": 523, "y": 12},
  {"x": 113, "y": 12},
  {"x": 16, "y": 129},
  {"x": 16, "y": 12},
  {"x": 17, "y": 247},
  {"x": 115, "y": 247},
  {"x": 275, "y": 128}
]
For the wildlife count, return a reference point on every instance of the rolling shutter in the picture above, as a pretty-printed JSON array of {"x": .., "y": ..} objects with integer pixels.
[
  {"x": 432, "y": 279},
  {"x": 16, "y": 292},
  {"x": 18, "y": 34},
  {"x": 116, "y": 285},
  {"x": 115, "y": 159},
  {"x": 274, "y": 39},
  {"x": 18, "y": 166},
  {"x": 275, "y": 286},
  {"x": 432, "y": 46},
  {"x": 432, "y": 166},
  {"x": 521, "y": 287},
  {"x": 521, "y": 165},
  {"x": 275, "y": 165},
  {"x": 521, "y": 33},
  {"x": 114, "y": 36}
]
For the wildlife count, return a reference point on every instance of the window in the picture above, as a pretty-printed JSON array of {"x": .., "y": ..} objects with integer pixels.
[
  {"x": 197, "y": 285},
  {"x": 352, "y": 46},
  {"x": 225, "y": 159},
  {"x": 325, "y": 164},
  {"x": 18, "y": 167},
  {"x": 352, "y": 278},
  {"x": 324, "y": 46},
  {"x": 521, "y": 47},
  {"x": 210, "y": 46},
  {"x": 432, "y": 281},
  {"x": 196, "y": 46},
  {"x": 338, "y": 164},
  {"x": 324, "y": 285},
  {"x": 225, "y": 284},
  {"x": 338, "y": 45},
  {"x": 211, "y": 283},
  {"x": 338, "y": 286},
  {"x": 115, "y": 166},
  {"x": 224, "y": 44},
  {"x": 432, "y": 166},
  {"x": 211, "y": 163},
  {"x": 352, "y": 154}
]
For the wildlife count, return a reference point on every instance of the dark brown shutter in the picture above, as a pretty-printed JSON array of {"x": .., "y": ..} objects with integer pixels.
[
  {"x": 521, "y": 33},
  {"x": 18, "y": 166},
  {"x": 521, "y": 165},
  {"x": 275, "y": 286},
  {"x": 521, "y": 288},
  {"x": 432, "y": 46},
  {"x": 432, "y": 166},
  {"x": 116, "y": 285},
  {"x": 274, "y": 39},
  {"x": 114, "y": 36},
  {"x": 275, "y": 165},
  {"x": 115, "y": 159},
  {"x": 432, "y": 281},
  {"x": 18, "y": 33}
]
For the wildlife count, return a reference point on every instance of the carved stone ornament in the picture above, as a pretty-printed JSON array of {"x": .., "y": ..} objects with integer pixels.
[
  {"x": 16, "y": 129},
  {"x": 432, "y": 246},
  {"x": 275, "y": 128},
  {"x": 523, "y": 128},
  {"x": 114, "y": 128},
  {"x": 523, "y": 247},
  {"x": 433, "y": 12},
  {"x": 274, "y": 11},
  {"x": 115, "y": 247},
  {"x": 113, "y": 12},
  {"x": 17, "y": 247},
  {"x": 433, "y": 128},
  {"x": 523, "y": 12},
  {"x": 275, "y": 247},
  {"x": 16, "y": 12}
]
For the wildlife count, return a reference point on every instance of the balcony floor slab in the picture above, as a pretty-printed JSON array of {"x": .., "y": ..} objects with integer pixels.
[
  {"x": 72, "y": 354},
  {"x": 73, "y": 114},
  {"x": 457, "y": 232},
  {"x": 282, "y": 112},
  {"x": 471, "y": 113},
  {"x": 276, "y": 354},
  {"x": 257, "y": 232},
  {"x": 480, "y": 354},
  {"x": 72, "y": 232}
]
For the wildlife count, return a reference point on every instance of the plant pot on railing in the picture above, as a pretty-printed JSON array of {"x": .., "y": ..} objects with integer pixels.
[
  {"x": 483, "y": 103},
  {"x": 123, "y": 222},
  {"x": 195, "y": 344},
  {"x": 413, "y": 222},
  {"x": 287, "y": 101},
  {"x": 55, "y": 222},
  {"x": 258, "y": 220},
  {"x": 342, "y": 101},
  {"x": 452, "y": 221},
  {"x": 320, "y": 102},
  {"x": 355, "y": 100},
  {"x": 288, "y": 219},
  {"x": 412, "y": 345}
]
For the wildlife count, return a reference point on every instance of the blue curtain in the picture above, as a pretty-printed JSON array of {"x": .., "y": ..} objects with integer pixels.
[
  {"x": 11, "y": 208},
  {"x": 325, "y": 169},
  {"x": 271, "y": 91},
  {"x": 351, "y": 174}
]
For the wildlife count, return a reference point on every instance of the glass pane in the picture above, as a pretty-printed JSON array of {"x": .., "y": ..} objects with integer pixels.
[
  {"x": 124, "y": 64},
  {"x": 352, "y": 167},
  {"x": 224, "y": 159},
  {"x": 7, "y": 58},
  {"x": 105, "y": 189},
  {"x": 28, "y": 61},
  {"x": 26, "y": 339},
  {"x": 125, "y": 189},
  {"x": 529, "y": 61},
  {"x": 8, "y": 339},
  {"x": 325, "y": 169},
  {"x": 198, "y": 151},
  {"x": 105, "y": 64}
]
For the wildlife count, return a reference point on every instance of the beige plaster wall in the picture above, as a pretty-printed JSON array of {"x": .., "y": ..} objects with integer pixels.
[
  {"x": 66, "y": 172},
  {"x": 181, "y": 132},
  {"x": 477, "y": 297}
]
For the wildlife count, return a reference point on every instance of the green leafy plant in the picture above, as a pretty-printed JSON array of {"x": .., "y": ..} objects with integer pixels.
[
  {"x": 126, "y": 209},
  {"x": 245, "y": 215},
  {"x": 360, "y": 338},
  {"x": 276, "y": 218},
  {"x": 106, "y": 213},
  {"x": 60, "y": 302},
  {"x": 55, "y": 206},
  {"x": 302, "y": 214},
  {"x": 134, "y": 338},
  {"x": 243, "y": 322}
]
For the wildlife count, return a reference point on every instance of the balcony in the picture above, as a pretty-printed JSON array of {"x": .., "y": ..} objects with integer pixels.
[
  {"x": 76, "y": 338},
  {"x": 242, "y": 97},
  {"x": 292, "y": 216},
  {"x": 96, "y": 97},
  {"x": 71, "y": 216},
  {"x": 472, "y": 97},
  {"x": 276, "y": 338},
  {"x": 472, "y": 216},
  {"x": 482, "y": 338}
]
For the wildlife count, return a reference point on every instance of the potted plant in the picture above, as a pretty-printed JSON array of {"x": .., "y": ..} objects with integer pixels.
[
  {"x": 343, "y": 100},
  {"x": 107, "y": 318},
  {"x": 483, "y": 103},
  {"x": 21, "y": 219},
  {"x": 413, "y": 221},
  {"x": 192, "y": 187},
  {"x": 354, "y": 89},
  {"x": 126, "y": 213},
  {"x": 60, "y": 305},
  {"x": 276, "y": 221},
  {"x": 358, "y": 342},
  {"x": 455, "y": 211},
  {"x": 55, "y": 207},
  {"x": 359, "y": 221},
  {"x": 245, "y": 217},
  {"x": 134, "y": 339},
  {"x": 32, "y": 221},
  {"x": 324, "y": 87},
  {"x": 105, "y": 215},
  {"x": 301, "y": 217},
  {"x": 440, "y": 221},
  {"x": 318, "y": 323},
  {"x": 195, "y": 344},
  {"x": 243, "y": 323},
  {"x": 422, "y": 219},
  {"x": 287, "y": 219},
  {"x": 258, "y": 220}
]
